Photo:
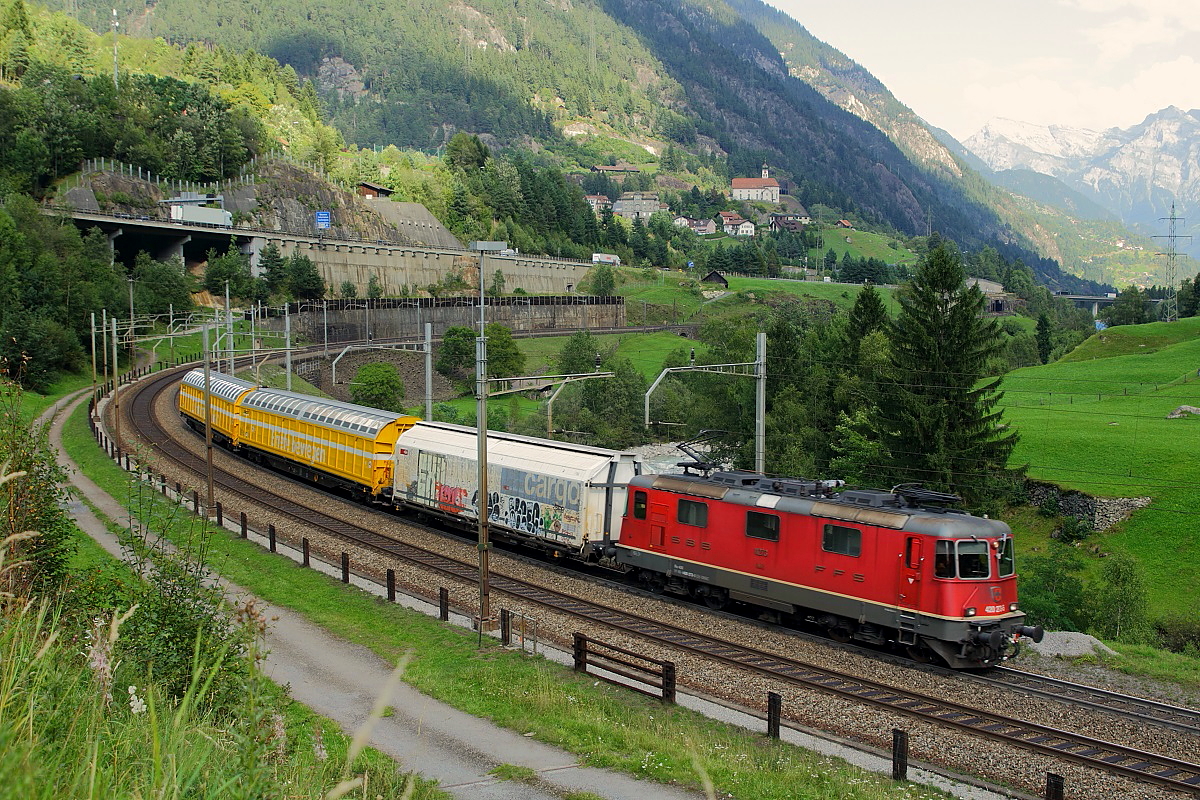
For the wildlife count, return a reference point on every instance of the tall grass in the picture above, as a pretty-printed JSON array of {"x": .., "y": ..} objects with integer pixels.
[{"x": 82, "y": 717}]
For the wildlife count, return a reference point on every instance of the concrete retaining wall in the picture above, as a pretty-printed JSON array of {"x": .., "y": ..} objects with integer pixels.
[{"x": 398, "y": 267}]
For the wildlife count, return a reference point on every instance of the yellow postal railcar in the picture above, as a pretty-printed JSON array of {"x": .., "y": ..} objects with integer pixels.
[
  {"x": 226, "y": 392},
  {"x": 336, "y": 444}
]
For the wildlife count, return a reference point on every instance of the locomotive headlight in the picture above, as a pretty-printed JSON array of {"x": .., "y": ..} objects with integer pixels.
[
  {"x": 1012, "y": 606},
  {"x": 970, "y": 612}
]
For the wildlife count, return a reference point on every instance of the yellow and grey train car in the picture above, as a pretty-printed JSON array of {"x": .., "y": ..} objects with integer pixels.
[
  {"x": 226, "y": 392},
  {"x": 329, "y": 442}
]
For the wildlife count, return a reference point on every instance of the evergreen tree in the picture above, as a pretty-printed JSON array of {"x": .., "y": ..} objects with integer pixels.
[
  {"x": 867, "y": 316},
  {"x": 1044, "y": 343},
  {"x": 304, "y": 280},
  {"x": 939, "y": 419},
  {"x": 466, "y": 152},
  {"x": 272, "y": 268}
]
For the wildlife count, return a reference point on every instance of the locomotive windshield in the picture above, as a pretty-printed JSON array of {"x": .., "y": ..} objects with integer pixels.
[
  {"x": 965, "y": 559},
  {"x": 973, "y": 560}
]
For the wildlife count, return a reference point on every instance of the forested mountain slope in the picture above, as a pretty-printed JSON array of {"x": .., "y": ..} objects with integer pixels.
[{"x": 698, "y": 75}]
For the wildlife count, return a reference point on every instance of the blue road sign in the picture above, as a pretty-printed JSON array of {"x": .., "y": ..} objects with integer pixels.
[
  {"x": 691, "y": 264},
  {"x": 323, "y": 220}
]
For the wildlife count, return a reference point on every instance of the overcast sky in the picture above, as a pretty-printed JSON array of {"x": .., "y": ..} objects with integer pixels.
[{"x": 958, "y": 63}]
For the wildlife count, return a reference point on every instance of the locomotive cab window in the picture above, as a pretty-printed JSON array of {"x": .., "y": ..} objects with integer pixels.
[
  {"x": 943, "y": 561},
  {"x": 973, "y": 560},
  {"x": 639, "y": 505},
  {"x": 762, "y": 526},
  {"x": 1005, "y": 558},
  {"x": 843, "y": 540},
  {"x": 692, "y": 513}
]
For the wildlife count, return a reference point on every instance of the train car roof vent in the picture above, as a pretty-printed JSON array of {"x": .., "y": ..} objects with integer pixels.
[
  {"x": 866, "y": 497},
  {"x": 917, "y": 495}
]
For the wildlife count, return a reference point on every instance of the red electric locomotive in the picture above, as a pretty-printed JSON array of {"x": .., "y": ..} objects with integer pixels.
[{"x": 880, "y": 567}]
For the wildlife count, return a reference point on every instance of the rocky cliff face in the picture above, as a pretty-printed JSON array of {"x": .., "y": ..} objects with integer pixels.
[
  {"x": 286, "y": 198},
  {"x": 1138, "y": 172}
]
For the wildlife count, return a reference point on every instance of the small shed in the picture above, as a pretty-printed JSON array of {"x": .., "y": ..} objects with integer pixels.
[
  {"x": 372, "y": 190},
  {"x": 715, "y": 277}
]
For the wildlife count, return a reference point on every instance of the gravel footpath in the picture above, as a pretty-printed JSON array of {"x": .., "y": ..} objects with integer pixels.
[{"x": 990, "y": 761}]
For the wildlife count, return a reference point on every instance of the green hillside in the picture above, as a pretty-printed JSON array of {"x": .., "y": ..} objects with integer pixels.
[
  {"x": 587, "y": 85},
  {"x": 1096, "y": 422}
]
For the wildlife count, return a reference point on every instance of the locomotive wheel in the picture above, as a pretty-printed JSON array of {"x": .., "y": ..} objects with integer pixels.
[
  {"x": 840, "y": 633},
  {"x": 716, "y": 598},
  {"x": 922, "y": 654},
  {"x": 655, "y": 582}
]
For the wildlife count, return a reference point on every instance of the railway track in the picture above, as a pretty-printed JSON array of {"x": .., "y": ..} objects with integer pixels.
[{"x": 1066, "y": 745}]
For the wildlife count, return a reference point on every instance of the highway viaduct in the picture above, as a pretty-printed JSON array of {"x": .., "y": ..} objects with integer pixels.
[{"x": 396, "y": 266}]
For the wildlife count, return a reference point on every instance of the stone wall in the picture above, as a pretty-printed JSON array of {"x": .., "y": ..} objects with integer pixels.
[{"x": 1101, "y": 513}]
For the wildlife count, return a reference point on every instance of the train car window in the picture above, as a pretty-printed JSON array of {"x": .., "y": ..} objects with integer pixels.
[
  {"x": 973, "y": 560},
  {"x": 843, "y": 540},
  {"x": 1007, "y": 564},
  {"x": 639, "y": 505},
  {"x": 762, "y": 526},
  {"x": 912, "y": 553},
  {"x": 693, "y": 513},
  {"x": 943, "y": 562}
]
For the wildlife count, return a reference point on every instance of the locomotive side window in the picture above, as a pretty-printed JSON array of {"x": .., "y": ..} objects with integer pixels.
[
  {"x": 912, "y": 553},
  {"x": 973, "y": 560},
  {"x": 693, "y": 513},
  {"x": 839, "y": 539},
  {"x": 639, "y": 505},
  {"x": 943, "y": 562},
  {"x": 762, "y": 526},
  {"x": 1007, "y": 563}
]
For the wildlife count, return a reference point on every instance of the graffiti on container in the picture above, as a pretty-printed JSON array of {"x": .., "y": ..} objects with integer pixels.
[{"x": 450, "y": 498}]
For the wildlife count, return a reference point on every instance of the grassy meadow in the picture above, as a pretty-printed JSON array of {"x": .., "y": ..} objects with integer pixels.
[{"x": 1096, "y": 421}]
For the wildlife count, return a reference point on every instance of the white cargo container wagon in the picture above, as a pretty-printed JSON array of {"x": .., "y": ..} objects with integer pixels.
[{"x": 566, "y": 497}]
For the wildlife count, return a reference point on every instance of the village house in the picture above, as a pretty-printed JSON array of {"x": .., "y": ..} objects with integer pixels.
[
  {"x": 637, "y": 205},
  {"x": 734, "y": 225},
  {"x": 794, "y": 221},
  {"x": 764, "y": 189},
  {"x": 598, "y": 202},
  {"x": 700, "y": 226}
]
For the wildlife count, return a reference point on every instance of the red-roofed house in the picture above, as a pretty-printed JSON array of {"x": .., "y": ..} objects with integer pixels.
[
  {"x": 765, "y": 189},
  {"x": 734, "y": 225}
]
